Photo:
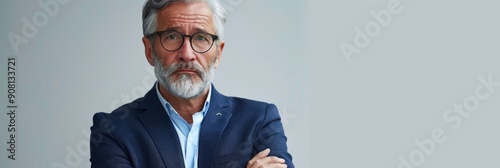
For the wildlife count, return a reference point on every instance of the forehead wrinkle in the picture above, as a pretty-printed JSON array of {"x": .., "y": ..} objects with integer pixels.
[
  {"x": 186, "y": 17},
  {"x": 198, "y": 21}
]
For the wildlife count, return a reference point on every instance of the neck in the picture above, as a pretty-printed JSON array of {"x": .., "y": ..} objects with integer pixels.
[{"x": 185, "y": 107}]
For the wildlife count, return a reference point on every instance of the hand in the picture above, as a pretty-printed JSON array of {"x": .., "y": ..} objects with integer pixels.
[{"x": 261, "y": 160}]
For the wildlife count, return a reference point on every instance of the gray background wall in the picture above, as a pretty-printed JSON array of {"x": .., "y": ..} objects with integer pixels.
[
  {"x": 398, "y": 88},
  {"x": 390, "y": 105}
]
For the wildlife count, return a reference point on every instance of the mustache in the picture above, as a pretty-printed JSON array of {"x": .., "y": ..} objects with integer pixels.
[{"x": 186, "y": 65}]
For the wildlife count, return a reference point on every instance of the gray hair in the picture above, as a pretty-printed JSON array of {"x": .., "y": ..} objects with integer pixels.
[{"x": 151, "y": 8}]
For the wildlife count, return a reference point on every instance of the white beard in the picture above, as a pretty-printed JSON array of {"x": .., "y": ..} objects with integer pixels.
[{"x": 186, "y": 85}]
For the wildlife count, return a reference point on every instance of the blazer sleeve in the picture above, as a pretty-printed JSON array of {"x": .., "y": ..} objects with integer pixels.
[
  {"x": 272, "y": 136},
  {"x": 105, "y": 151}
]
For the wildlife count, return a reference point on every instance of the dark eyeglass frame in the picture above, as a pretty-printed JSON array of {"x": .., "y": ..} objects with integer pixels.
[{"x": 160, "y": 33}]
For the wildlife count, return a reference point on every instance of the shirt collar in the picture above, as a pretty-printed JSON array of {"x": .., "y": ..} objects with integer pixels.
[{"x": 167, "y": 106}]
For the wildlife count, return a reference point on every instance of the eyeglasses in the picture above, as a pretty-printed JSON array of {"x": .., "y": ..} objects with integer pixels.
[{"x": 172, "y": 40}]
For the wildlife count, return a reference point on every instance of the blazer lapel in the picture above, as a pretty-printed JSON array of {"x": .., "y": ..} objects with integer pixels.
[
  {"x": 212, "y": 126},
  {"x": 161, "y": 130}
]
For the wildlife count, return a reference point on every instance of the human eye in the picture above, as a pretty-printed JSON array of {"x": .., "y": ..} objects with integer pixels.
[
  {"x": 171, "y": 36},
  {"x": 202, "y": 37}
]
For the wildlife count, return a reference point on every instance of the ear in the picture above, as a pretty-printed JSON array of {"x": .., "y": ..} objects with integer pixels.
[
  {"x": 220, "y": 47},
  {"x": 148, "y": 50}
]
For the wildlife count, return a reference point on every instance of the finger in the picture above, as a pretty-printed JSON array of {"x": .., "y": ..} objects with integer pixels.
[
  {"x": 274, "y": 165},
  {"x": 260, "y": 155},
  {"x": 277, "y": 165},
  {"x": 271, "y": 161},
  {"x": 263, "y": 153}
]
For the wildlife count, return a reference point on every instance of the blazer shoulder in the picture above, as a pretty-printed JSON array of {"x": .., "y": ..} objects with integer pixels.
[
  {"x": 123, "y": 112},
  {"x": 241, "y": 100},
  {"x": 249, "y": 104}
]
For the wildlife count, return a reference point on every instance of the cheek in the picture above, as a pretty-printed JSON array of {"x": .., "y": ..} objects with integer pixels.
[
  {"x": 165, "y": 58},
  {"x": 210, "y": 59}
]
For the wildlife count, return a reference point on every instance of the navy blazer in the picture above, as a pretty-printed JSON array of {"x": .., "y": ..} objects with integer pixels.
[{"x": 140, "y": 134}]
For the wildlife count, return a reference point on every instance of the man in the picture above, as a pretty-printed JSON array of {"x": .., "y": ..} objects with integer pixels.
[{"x": 183, "y": 121}]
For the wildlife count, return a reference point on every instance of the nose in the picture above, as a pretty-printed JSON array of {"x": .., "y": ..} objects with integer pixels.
[{"x": 186, "y": 52}]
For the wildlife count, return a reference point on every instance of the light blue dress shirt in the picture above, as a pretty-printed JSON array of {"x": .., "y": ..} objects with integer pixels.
[{"x": 188, "y": 133}]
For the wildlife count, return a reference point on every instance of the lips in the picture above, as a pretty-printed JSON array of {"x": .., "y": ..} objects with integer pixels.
[
  {"x": 186, "y": 70},
  {"x": 189, "y": 71}
]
